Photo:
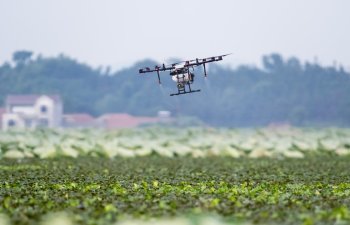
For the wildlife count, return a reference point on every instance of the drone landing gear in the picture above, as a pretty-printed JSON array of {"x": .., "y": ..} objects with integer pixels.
[
  {"x": 186, "y": 92},
  {"x": 181, "y": 88}
]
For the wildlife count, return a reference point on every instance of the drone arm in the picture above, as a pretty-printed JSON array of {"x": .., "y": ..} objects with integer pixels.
[
  {"x": 158, "y": 77},
  {"x": 205, "y": 70},
  {"x": 198, "y": 62},
  {"x": 148, "y": 70},
  {"x": 157, "y": 69}
]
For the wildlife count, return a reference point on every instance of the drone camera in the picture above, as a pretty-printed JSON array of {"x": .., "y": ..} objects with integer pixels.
[{"x": 179, "y": 85}]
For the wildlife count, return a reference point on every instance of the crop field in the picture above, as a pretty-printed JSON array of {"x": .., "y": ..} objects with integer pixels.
[
  {"x": 172, "y": 176},
  {"x": 172, "y": 142}
]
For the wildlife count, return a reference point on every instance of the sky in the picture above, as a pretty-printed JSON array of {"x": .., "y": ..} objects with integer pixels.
[{"x": 119, "y": 33}]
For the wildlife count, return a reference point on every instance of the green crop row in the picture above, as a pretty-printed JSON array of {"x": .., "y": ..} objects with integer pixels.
[{"x": 87, "y": 190}]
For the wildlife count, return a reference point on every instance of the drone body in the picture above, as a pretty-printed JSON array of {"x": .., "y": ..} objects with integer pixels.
[{"x": 180, "y": 72}]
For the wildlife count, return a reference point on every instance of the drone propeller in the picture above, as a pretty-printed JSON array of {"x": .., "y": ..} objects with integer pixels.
[
  {"x": 199, "y": 61},
  {"x": 204, "y": 61},
  {"x": 219, "y": 57}
]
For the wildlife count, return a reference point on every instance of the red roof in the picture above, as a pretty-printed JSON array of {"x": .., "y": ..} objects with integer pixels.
[
  {"x": 123, "y": 120},
  {"x": 27, "y": 99},
  {"x": 78, "y": 118}
]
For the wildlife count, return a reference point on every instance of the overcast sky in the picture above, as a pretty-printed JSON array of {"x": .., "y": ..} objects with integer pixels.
[{"x": 120, "y": 33}]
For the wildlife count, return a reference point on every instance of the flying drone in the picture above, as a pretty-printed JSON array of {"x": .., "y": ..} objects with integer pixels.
[{"x": 180, "y": 72}]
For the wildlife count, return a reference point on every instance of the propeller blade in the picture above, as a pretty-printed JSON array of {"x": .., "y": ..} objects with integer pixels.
[
  {"x": 226, "y": 54},
  {"x": 198, "y": 61}
]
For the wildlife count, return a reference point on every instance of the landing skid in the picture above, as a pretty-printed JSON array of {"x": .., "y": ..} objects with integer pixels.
[{"x": 185, "y": 92}]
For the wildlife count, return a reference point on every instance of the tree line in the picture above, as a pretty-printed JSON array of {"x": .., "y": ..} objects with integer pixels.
[{"x": 283, "y": 91}]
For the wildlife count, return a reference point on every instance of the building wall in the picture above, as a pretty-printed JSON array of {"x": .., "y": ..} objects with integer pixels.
[
  {"x": 12, "y": 120},
  {"x": 58, "y": 114},
  {"x": 23, "y": 109},
  {"x": 45, "y": 112}
]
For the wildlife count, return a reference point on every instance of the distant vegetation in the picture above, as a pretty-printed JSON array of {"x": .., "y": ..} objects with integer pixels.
[
  {"x": 198, "y": 142},
  {"x": 284, "y": 91}
]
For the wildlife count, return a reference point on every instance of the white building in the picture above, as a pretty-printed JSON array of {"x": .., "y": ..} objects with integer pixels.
[{"x": 31, "y": 111}]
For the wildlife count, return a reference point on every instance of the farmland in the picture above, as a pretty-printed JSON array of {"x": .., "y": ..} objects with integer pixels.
[
  {"x": 172, "y": 142},
  {"x": 189, "y": 176}
]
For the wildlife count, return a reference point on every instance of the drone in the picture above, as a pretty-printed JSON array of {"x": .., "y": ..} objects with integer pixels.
[{"x": 181, "y": 74}]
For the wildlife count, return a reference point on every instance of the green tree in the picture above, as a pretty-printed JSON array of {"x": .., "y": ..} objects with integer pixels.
[{"x": 21, "y": 57}]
